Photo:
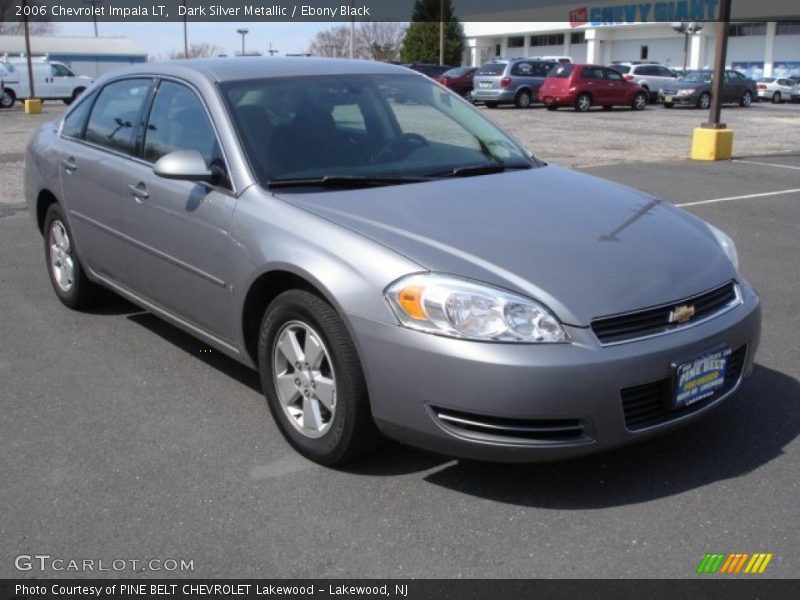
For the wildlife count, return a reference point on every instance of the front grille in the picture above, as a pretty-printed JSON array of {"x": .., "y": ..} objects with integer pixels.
[
  {"x": 670, "y": 92},
  {"x": 655, "y": 320},
  {"x": 542, "y": 431},
  {"x": 650, "y": 404}
]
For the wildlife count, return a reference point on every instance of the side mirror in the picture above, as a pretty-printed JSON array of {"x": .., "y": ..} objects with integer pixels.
[{"x": 187, "y": 165}]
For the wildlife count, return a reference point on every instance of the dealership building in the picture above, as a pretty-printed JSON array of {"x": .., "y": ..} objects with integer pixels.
[
  {"x": 90, "y": 56},
  {"x": 604, "y": 33}
]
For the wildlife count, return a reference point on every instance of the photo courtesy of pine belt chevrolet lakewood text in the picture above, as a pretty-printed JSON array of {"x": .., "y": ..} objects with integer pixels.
[{"x": 390, "y": 261}]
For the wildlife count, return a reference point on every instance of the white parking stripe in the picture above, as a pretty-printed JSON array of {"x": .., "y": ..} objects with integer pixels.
[
  {"x": 752, "y": 162},
  {"x": 748, "y": 197}
]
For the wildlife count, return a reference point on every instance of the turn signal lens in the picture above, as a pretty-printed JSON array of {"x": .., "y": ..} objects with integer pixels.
[{"x": 410, "y": 299}]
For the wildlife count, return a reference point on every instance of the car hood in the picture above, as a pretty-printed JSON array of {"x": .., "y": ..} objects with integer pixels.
[{"x": 582, "y": 245}]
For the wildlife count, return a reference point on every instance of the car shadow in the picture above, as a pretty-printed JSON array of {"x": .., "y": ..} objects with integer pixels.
[
  {"x": 745, "y": 433},
  {"x": 198, "y": 349}
]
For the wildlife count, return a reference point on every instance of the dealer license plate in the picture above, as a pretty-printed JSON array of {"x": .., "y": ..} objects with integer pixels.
[{"x": 700, "y": 378}]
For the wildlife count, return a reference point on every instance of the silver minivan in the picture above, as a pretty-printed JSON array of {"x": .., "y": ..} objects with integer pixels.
[{"x": 511, "y": 81}]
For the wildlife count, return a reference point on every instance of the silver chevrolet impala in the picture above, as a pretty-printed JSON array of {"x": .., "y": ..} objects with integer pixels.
[{"x": 390, "y": 261}]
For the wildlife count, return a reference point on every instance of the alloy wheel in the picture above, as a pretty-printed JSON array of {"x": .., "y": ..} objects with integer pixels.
[
  {"x": 304, "y": 379},
  {"x": 584, "y": 103},
  {"x": 705, "y": 101},
  {"x": 62, "y": 264}
]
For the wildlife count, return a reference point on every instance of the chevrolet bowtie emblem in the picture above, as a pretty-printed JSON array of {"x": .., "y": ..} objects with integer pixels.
[{"x": 681, "y": 314}]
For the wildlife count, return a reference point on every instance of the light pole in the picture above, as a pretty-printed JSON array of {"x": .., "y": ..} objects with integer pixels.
[
  {"x": 185, "y": 33},
  {"x": 28, "y": 50},
  {"x": 243, "y": 32},
  {"x": 94, "y": 4}
]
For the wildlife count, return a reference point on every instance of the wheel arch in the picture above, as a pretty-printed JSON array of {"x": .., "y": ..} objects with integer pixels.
[{"x": 44, "y": 199}]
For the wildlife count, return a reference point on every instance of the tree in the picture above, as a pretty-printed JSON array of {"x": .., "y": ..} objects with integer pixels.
[
  {"x": 200, "y": 50},
  {"x": 421, "y": 43},
  {"x": 380, "y": 40},
  {"x": 10, "y": 24},
  {"x": 332, "y": 43}
]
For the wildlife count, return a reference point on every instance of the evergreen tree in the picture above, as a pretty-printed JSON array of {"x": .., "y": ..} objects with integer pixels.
[{"x": 421, "y": 43}]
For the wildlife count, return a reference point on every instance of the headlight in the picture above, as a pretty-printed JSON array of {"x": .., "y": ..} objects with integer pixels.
[
  {"x": 460, "y": 308},
  {"x": 686, "y": 92},
  {"x": 726, "y": 243}
]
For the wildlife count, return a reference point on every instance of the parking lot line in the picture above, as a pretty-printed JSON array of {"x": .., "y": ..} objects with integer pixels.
[
  {"x": 763, "y": 164},
  {"x": 747, "y": 197}
]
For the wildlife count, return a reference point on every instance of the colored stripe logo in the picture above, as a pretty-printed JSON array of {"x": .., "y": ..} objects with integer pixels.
[{"x": 734, "y": 563}]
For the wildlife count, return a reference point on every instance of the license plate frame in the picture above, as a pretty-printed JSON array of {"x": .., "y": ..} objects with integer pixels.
[{"x": 700, "y": 377}]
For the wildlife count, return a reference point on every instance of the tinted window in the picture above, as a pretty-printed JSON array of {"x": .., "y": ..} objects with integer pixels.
[
  {"x": 493, "y": 69},
  {"x": 115, "y": 114},
  {"x": 459, "y": 72},
  {"x": 522, "y": 68},
  {"x": 76, "y": 119},
  {"x": 613, "y": 75},
  {"x": 542, "y": 69},
  {"x": 178, "y": 121},
  {"x": 592, "y": 73},
  {"x": 562, "y": 72},
  {"x": 664, "y": 72}
]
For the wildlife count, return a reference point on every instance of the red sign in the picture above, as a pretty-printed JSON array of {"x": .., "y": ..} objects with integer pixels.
[{"x": 578, "y": 17}]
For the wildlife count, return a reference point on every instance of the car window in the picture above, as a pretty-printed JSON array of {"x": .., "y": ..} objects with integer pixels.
[
  {"x": 622, "y": 68},
  {"x": 562, "y": 71},
  {"x": 115, "y": 113},
  {"x": 76, "y": 119},
  {"x": 178, "y": 121},
  {"x": 61, "y": 71},
  {"x": 493, "y": 68},
  {"x": 665, "y": 72},
  {"x": 543, "y": 69},
  {"x": 592, "y": 73},
  {"x": 612, "y": 75},
  {"x": 785, "y": 82},
  {"x": 522, "y": 68}
]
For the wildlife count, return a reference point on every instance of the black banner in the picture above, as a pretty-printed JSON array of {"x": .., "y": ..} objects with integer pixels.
[
  {"x": 576, "y": 12},
  {"x": 548, "y": 589}
]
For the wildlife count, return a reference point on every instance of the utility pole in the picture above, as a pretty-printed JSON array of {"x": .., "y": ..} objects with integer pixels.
[
  {"x": 441, "y": 32},
  {"x": 352, "y": 31},
  {"x": 243, "y": 32},
  {"x": 94, "y": 4},
  {"x": 185, "y": 33},
  {"x": 719, "y": 67},
  {"x": 28, "y": 48}
]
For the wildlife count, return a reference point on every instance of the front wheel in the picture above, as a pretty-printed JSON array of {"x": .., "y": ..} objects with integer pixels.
[
  {"x": 746, "y": 100},
  {"x": 313, "y": 380},
  {"x": 776, "y": 98},
  {"x": 639, "y": 101},
  {"x": 704, "y": 101}
]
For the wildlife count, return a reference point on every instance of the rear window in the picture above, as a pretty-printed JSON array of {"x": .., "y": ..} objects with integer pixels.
[
  {"x": 562, "y": 72},
  {"x": 493, "y": 69},
  {"x": 621, "y": 68},
  {"x": 457, "y": 72},
  {"x": 766, "y": 80}
]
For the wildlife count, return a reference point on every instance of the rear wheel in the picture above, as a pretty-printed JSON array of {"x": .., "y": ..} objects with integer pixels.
[
  {"x": 639, "y": 101},
  {"x": 704, "y": 101},
  {"x": 583, "y": 103},
  {"x": 313, "y": 380},
  {"x": 776, "y": 98},
  {"x": 7, "y": 98},
  {"x": 77, "y": 92},
  {"x": 746, "y": 100},
  {"x": 523, "y": 99},
  {"x": 67, "y": 276}
]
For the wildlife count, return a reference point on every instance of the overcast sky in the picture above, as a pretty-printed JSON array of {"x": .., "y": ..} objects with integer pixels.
[{"x": 161, "y": 38}]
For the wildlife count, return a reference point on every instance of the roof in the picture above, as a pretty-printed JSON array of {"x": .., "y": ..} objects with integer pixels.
[
  {"x": 237, "y": 68},
  {"x": 73, "y": 46}
]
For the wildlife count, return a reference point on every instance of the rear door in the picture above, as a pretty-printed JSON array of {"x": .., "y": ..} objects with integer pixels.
[
  {"x": 616, "y": 87},
  {"x": 594, "y": 83},
  {"x": 179, "y": 230},
  {"x": 95, "y": 158}
]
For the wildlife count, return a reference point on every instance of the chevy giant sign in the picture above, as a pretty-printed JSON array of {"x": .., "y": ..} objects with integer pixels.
[{"x": 676, "y": 10}]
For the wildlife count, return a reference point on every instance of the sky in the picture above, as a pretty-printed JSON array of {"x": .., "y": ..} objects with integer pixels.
[{"x": 162, "y": 38}]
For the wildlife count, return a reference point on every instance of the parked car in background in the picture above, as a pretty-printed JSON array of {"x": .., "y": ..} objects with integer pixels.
[
  {"x": 775, "y": 89},
  {"x": 796, "y": 93},
  {"x": 460, "y": 80},
  {"x": 511, "y": 81},
  {"x": 559, "y": 59},
  {"x": 584, "y": 86},
  {"x": 409, "y": 271},
  {"x": 694, "y": 89},
  {"x": 431, "y": 70},
  {"x": 51, "y": 81},
  {"x": 652, "y": 77}
]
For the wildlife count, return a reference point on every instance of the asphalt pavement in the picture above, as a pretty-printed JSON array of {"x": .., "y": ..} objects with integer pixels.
[{"x": 121, "y": 438}]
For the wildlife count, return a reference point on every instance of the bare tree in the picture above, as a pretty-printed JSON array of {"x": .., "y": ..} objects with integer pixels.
[
  {"x": 10, "y": 24},
  {"x": 332, "y": 43},
  {"x": 380, "y": 40},
  {"x": 199, "y": 50}
]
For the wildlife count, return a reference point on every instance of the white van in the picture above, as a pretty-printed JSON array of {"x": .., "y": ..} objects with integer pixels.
[{"x": 51, "y": 81}]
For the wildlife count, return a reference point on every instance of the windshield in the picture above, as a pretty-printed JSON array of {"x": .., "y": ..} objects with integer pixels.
[
  {"x": 698, "y": 76},
  {"x": 346, "y": 126}
]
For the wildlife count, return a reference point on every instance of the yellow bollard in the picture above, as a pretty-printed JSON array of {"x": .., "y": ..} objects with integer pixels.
[
  {"x": 33, "y": 106},
  {"x": 712, "y": 144}
]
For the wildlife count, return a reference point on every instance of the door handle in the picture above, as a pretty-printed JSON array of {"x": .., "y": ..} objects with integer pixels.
[
  {"x": 69, "y": 165},
  {"x": 139, "y": 191}
]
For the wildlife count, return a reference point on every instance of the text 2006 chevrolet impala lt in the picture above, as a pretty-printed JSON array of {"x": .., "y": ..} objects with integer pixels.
[{"x": 389, "y": 260}]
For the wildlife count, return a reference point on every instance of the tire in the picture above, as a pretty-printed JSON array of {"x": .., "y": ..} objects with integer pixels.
[
  {"x": 7, "y": 98},
  {"x": 490, "y": 104},
  {"x": 776, "y": 98},
  {"x": 704, "y": 101},
  {"x": 639, "y": 101},
  {"x": 340, "y": 427},
  {"x": 746, "y": 100},
  {"x": 583, "y": 103},
  {"x": 523, "y": 99},
  {"x": 668, "y": 105},
  {"x": 77, "y": 92},
  {"x": 64, "y": 267},
  {"x": 552, "y": 107}
]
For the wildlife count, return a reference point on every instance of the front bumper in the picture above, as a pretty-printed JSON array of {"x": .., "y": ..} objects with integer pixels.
[
  {"x": 690, "y": 99},
  {"x": 558, "y": 99},
  {"x": 426, "y": 389}
]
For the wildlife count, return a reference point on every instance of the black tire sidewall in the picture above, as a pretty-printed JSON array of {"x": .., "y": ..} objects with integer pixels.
[
  {"x": 352, "y": 417},
  {"x": 77, "y": 296}
]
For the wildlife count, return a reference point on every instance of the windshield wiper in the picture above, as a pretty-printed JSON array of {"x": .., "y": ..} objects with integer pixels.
[
  {"x": 486, "y": 169},
  {"x": 346, "y": 181}
]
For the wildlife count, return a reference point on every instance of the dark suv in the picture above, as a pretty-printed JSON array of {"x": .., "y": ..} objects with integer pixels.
[{"x": 511, "y": 81}]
